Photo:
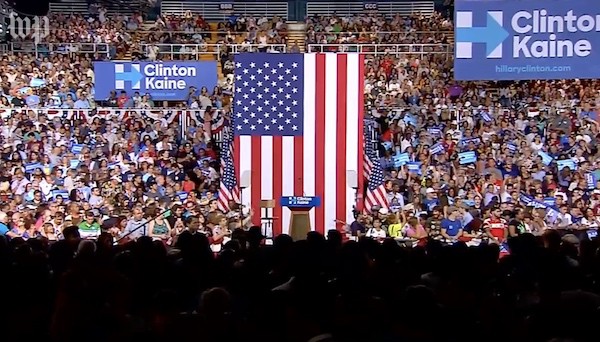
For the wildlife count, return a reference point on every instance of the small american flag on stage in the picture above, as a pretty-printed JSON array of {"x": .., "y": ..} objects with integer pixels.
[
  {"x": 297, "y": 125},
  {"x": 376, "y": 193},
  {"x": 228, "y": 190}
]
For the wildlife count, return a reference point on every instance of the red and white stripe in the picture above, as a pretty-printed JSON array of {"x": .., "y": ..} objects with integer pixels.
[
  {"x": 316, "y": 163},
  {"x": 377, "y": 197},
  {"x": 226, "y": 195},
  {"x": 367, "y": 165}
]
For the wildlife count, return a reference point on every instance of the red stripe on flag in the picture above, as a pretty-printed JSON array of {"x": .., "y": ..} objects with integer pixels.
[
  {"x": 298, "y": 166},
  {"x": 277, "y": 184},
  {"x": 236, "y": 164},
  {"x": 320, "y": 140},
  {"x": 342, "y": 89},
  {"x": 361, "y": 139},
  {"x": 255, "y": 179}
]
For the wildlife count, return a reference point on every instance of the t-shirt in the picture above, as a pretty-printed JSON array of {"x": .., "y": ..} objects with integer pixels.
[
  {"x": 452, "y": 227},
  {"x": 435, "y": 230},
  {"x": 395, "y": 230},
  {"x": 88, "y": 230},
  {"x": 429, "y": 204},
  {"x": 496, "y": 226},
  {"x": 3, "y": 229},
  {"x": 356, "y": 227},
  {"x": 519, "y": 227}
]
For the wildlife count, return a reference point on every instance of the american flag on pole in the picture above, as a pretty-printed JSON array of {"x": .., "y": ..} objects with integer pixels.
[
  {"x": 297, "y": 126},
  {"x": 376, "y": 193},
  {"x": 228, "y": 190}
]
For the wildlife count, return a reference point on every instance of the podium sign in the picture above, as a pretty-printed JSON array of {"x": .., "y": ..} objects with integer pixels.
[
  {"x": 300, "y": 220},
  {"x": 300, "y": 202}
]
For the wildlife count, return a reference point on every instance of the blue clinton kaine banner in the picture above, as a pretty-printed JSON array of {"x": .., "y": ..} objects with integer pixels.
[
  {"x": 168, "y": 81},
  {"x": 520, "y": 40}
]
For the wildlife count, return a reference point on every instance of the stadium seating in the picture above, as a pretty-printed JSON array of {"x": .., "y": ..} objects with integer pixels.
[{"x": 125, "y": 219}]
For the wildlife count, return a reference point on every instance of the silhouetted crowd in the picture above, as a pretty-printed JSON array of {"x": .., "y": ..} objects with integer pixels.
[{"x": 311, "y": 290}]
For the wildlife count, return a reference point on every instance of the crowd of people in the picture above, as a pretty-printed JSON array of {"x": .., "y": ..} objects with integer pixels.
[
  {"x": 463, "y": 136},
  {"x": 370, "y": 29},
  {"x": 473, "y": 171},
  {"x": 187, "y": 36}
]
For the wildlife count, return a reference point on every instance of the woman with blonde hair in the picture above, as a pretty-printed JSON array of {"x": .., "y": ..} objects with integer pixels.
[
  {"x": 395, "y": 224},
  {"x": 538, "y": 224}
]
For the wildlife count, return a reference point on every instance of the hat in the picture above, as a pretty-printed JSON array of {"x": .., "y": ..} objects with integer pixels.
[
  {"x": 429, "y": 191},
  {"x": 561, "y": 194},
  {"x": 570, "y": 238},
  {"x": 384, "y": 211},
  {"x": 110, "y": 223}
]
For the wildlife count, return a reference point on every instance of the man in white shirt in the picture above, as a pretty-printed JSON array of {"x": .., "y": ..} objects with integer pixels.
[
  {"x": 46, "y": 186},
  {"x": 564, "y": 219}
]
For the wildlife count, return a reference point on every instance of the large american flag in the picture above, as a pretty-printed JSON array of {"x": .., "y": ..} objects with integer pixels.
[
  {"x": 298, "y": 121},
  {"x": 228, "y": 190},
  {"x": 376, "y": 193}
]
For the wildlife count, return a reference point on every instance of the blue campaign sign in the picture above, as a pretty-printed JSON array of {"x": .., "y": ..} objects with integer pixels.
[
  {"x": 300, "y": 201},
  {"x": 166, "y": 81},
  {"x": 523, "y": 40}
]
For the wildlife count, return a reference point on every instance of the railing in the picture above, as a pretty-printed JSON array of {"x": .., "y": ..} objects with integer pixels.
[
  {"x": 42, "y": 49},
  {"x": 69, "y": 7},
  {"x": 237, "y": 36},
  {"x": 389, "y": 9},
  {"x": 417, "y": 34},
  {"x": 82, "y": 7},
  {"x": 198, "y": 50},
  {"x": 426, "y": 34},
  {"x": 213, "y": 11},
  {"x": 378, "y": 49},
  {"x": 184, "y": 118}
]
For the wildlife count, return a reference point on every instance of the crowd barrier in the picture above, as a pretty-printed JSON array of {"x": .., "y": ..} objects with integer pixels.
[
  {"x": 223, "y": 10},
  {"x": 212, "y": 123},
  {"x": 81, "y": 7},
  {"x": 198, "y": 50},
  {"x": 380, "y": 49},
  {"x": 43, "y": 49},
  {"x": 104, "y": 50}
]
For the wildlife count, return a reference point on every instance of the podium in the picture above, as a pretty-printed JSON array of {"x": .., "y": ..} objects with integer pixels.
[{"x": 300, "y": 207}]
